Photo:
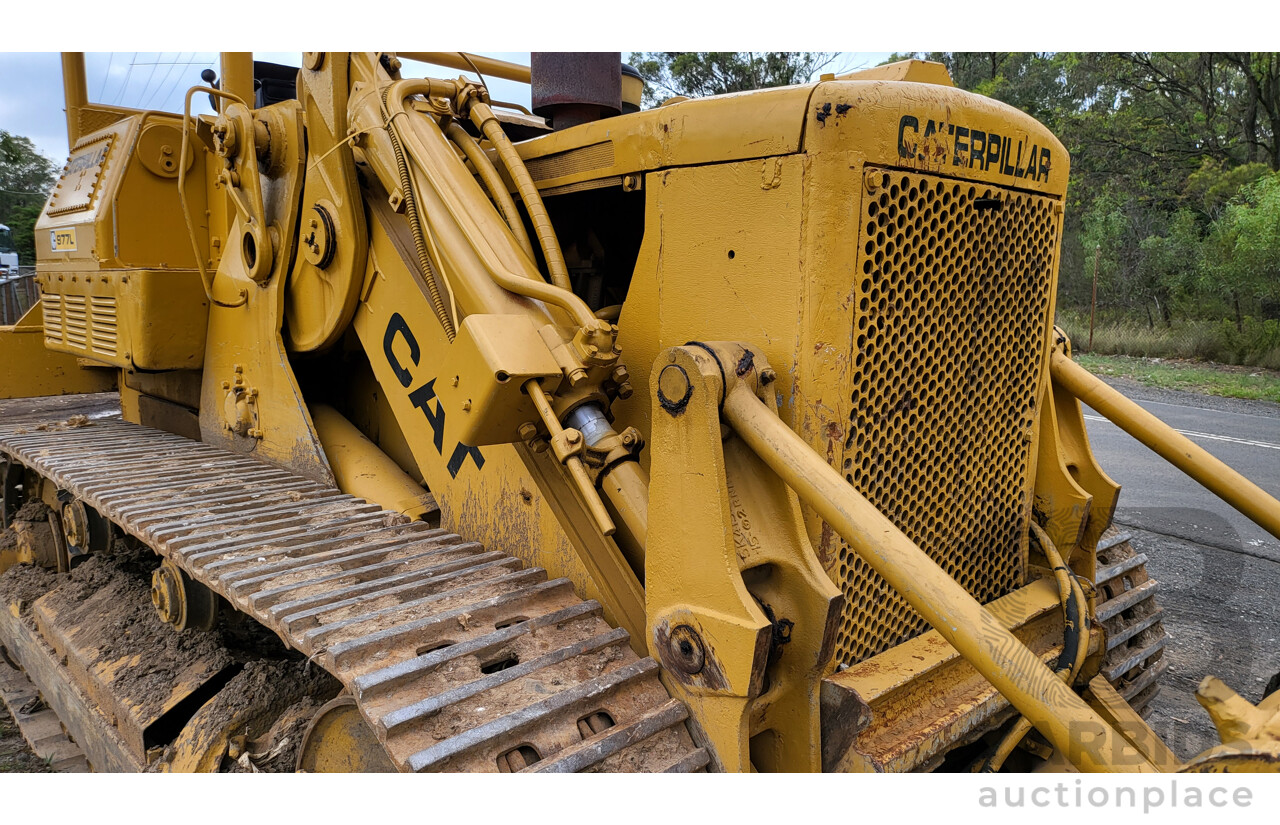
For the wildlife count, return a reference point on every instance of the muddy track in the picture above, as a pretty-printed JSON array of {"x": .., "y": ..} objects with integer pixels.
[{"x": 458, "y": 658}]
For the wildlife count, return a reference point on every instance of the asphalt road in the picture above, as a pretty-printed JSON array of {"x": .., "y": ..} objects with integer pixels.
[{"x": 1219, "y": 573}]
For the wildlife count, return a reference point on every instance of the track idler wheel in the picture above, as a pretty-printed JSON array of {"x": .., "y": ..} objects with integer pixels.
[
  {"x": 180, "y": 601},
  {"x": 339, "y": 740}
]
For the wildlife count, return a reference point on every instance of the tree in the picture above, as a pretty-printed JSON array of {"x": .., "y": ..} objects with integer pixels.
[
  {"x": 701, "y": 74},
  {"x": 26, "y": 176},
  {"x": 1030, "y": 81},
  {"x": 1211, "y": 187},
  {"x": 1260, "y": 109},
  {"x": 1170, "y": 262},
  {"x": 1243, "y": 247}
]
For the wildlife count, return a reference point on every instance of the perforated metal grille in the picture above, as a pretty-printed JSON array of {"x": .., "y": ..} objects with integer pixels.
[{"x": 953, "y": 286}]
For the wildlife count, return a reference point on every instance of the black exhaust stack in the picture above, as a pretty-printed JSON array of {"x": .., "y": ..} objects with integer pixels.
[{"x": 571, "y": 88}]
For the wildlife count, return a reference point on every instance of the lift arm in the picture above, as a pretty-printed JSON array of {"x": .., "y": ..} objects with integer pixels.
[{"x": 1224, "y": 482}]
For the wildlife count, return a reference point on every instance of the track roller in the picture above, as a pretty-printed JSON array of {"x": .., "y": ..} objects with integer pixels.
[{"x": 180, "y": 601}]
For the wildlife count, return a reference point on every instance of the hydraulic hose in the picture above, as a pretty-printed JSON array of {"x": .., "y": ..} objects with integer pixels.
[
  {"x": 482, "y": 117},
  {"x": 416, "y": 226},
  {"x": 206, "y": 280},
  {"x": 492, "y": 182},
  {"x": 1075, "y": 643},
  {"x": 538, "y": 290}
]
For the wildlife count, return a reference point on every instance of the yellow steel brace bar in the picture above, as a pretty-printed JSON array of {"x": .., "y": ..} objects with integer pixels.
[
  {"x": 472, "y": 62},
  {"x": 1074, "y": 728},
  {"x": 1177, "y": 449}
]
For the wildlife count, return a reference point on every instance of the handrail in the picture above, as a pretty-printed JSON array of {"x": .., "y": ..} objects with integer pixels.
[{"x": 205, "y": 280}]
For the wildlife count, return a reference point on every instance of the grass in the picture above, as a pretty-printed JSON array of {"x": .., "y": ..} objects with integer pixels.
[
  {"x": 1255, "y": 344},
  {"x": 1254, "y": 383}
]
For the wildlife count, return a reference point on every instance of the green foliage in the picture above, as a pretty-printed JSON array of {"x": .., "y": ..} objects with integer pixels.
[
  {"x": 701, "y": 74},
  {"x": 1252, "y": 224},
  {"x": 25, "y": 179},
  {"x": 22, "y": 225},
  {"x": 1255, "y": 344},
  {"x": 1213, "y": 185}
]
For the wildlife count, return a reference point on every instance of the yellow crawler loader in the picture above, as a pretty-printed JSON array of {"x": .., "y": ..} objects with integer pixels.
[{"x": 372, "y": 424}]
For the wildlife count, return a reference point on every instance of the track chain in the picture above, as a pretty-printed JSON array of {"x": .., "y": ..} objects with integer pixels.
[
  {"x": 459, "y": 658},
  {"x": 1128, "y": 611}
]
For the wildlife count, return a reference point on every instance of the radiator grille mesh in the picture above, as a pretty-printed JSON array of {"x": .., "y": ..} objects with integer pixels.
[{"x": 953, "y": 290}]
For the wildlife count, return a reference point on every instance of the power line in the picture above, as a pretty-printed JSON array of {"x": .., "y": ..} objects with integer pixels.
[
  {"x": 164, "y": 82},
  {"x": 106, "y": 76},
  {"x": 127, "y": 74},
  {"x": 171, "y": 85},
  {"x": 147, "y": 85},
  {"x": 195, "y": 60}
]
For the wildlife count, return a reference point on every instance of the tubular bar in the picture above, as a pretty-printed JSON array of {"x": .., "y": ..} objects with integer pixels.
[
  {"x": 488, "y": 65},
  {"x": 1241, "y": 493},
  {"x": 74, "y": 93},
  {"x": 363, "y": 470},
  {"x": 1074, "y": 728},
  {"x": 237, "y": 76}
]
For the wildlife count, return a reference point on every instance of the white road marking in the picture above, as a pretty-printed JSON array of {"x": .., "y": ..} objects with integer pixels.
[
  {"x": 1210, "y": 436},
  {"x": 1215, "y": 412}
]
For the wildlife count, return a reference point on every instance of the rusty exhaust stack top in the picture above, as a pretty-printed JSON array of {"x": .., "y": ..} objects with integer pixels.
[{"x": 571, "y": 88}]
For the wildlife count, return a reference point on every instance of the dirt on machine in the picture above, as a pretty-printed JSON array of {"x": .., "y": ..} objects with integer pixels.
[{"x": 368, "y": 423}]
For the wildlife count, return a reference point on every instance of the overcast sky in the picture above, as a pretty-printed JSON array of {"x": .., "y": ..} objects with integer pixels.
[{"x": 31, "y": 85}]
